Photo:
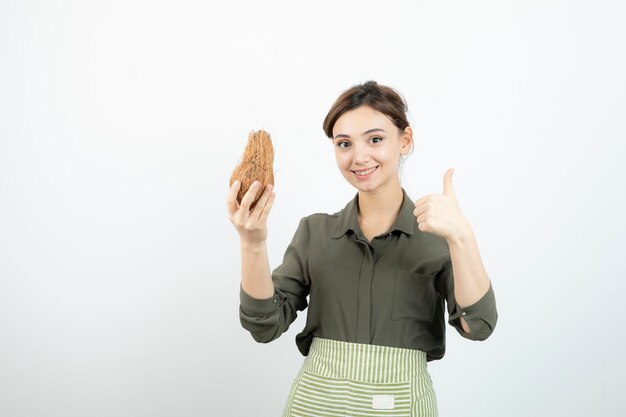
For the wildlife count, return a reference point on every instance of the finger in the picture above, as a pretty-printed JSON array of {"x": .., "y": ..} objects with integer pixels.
[
  {"x": 231, "y": 199},
  {"x": 448, "y": 188},
  {"x": 268, "y": 207},
  {"x": 423, "y": 199},
  {"x": 423, "y": 207},
  {"x": 260, "y": 204},
  {"x": 250, "y": 195}
]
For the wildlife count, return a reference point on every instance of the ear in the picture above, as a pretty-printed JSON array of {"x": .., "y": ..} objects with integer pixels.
[{"x": 406, "y": 140}]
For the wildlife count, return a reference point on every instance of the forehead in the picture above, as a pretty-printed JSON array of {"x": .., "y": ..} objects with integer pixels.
[{"x": 361, "y": 119}]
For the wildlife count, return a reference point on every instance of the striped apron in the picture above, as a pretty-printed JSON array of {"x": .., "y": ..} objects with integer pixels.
[{"x": 353, "y": 379}]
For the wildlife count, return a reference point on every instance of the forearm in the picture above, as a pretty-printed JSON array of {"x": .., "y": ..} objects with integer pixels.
[
  {"x": 471, "y": 282},
  {"x": 256, "y": 279}
]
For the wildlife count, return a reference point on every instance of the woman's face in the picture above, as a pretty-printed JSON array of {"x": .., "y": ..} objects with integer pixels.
[{"x": 368, "y": 148}]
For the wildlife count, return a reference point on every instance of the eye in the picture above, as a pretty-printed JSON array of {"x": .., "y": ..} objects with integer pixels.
[
  {"x": 376, "y": 139},
  {"x": 344, "y": 144}
]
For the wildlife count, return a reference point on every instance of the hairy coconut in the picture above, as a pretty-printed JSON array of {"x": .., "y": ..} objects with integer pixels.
[{"x": 257, "y": 164}]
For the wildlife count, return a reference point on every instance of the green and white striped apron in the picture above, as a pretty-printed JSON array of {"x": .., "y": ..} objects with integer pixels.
[{"x": 354, "y": 379}]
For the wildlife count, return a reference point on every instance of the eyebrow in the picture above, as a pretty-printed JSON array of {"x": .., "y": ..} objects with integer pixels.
[{"x": 367, "y": 132}]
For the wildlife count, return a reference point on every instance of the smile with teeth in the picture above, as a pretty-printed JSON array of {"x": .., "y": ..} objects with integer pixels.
[{"x": 365, "y": 172}]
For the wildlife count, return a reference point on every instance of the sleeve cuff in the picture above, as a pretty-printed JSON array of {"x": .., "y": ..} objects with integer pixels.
[
  {"x": 257, "y": 307},
  {"x": 477, "y": 316},
  {"x": 479, "y": 308}
]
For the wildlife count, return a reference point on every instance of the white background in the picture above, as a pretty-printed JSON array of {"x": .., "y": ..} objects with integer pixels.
[{"x": 121, "y": 122}]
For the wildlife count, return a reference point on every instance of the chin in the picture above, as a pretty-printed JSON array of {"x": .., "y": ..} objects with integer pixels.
[{"x": 366, "y": 188}]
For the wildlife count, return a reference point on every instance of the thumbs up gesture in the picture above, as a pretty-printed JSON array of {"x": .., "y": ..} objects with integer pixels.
[{"x": 440, "y": 213}]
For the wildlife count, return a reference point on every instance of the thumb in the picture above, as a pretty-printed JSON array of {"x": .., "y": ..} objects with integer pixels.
[{"x": 448, "y": 188}]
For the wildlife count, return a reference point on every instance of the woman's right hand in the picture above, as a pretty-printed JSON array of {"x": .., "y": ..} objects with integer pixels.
[{"x": 250, "y": 224}]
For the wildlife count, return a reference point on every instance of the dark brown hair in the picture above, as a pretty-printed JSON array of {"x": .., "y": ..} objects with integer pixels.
[{"x": 379, "y": 97}]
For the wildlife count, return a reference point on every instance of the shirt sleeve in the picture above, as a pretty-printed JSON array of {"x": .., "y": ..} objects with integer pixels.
[
  {"x": 267, "y": 319},
  {"x": 481, "y": 317}
]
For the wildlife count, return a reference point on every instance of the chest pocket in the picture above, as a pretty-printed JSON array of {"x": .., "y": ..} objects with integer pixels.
[{"x": 415, "y": 296}]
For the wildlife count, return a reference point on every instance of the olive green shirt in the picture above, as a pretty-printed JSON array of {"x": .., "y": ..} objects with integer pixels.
[{"x": 390, "y": 291}]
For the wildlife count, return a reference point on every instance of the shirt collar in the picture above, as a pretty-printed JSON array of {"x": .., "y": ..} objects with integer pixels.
[{"x": 349, "y": 217}]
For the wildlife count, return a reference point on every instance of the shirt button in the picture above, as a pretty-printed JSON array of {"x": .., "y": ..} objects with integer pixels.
[
  {"x": 464, "y": 313},
  {"x": 275, "y": 301}
]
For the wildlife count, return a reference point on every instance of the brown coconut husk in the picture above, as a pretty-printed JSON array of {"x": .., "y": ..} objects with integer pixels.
[{"x": 257, "y": 164}]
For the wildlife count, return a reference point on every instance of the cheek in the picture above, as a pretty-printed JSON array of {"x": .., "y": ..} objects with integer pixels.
[
  {"x": 383, "y": 155},
  {"x": 341, "y": 159},
  {"x": 391, "y": 154}
]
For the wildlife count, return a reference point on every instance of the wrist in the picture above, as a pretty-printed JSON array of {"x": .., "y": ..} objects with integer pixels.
[
  {"x": 462, "y": 236},
  {"x": 253, "y": 247}
]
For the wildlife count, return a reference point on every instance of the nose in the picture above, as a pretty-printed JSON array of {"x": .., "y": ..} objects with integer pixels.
[{"x": 361, "y": 154}]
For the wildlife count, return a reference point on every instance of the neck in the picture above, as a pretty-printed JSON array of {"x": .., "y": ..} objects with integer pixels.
[{"x": 381, "y": 204}]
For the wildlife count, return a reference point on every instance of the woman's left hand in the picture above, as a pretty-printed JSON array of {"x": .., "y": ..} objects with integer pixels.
[{"x": 440, "y": 213}]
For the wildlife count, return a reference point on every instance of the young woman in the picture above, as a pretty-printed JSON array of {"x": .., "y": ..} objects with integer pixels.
[{"x": 377, "y": 273}]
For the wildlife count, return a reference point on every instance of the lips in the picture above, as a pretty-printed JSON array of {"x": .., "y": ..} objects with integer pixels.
[{"x": 365, "y": 172}]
